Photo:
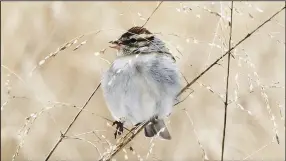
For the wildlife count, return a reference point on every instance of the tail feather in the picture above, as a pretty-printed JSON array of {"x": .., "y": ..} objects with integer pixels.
[{"x": 156, "y": 126}]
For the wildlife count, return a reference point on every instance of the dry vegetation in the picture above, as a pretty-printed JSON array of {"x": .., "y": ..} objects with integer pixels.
[{"x": 53, "y": 54}]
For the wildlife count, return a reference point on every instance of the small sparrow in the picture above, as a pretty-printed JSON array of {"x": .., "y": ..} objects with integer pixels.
[{"x": 142, "y": 83}]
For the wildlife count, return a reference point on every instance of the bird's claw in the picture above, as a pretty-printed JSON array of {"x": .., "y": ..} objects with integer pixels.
[{"x": 119, "y": 128}]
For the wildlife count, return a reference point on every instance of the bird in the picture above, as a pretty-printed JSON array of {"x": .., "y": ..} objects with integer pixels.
[{"x": 142, "y": 82}]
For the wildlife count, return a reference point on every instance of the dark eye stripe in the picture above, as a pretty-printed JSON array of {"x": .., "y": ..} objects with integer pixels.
[
  {"x": 129, "y": 41},
  {"x": 145, "y": 39}
]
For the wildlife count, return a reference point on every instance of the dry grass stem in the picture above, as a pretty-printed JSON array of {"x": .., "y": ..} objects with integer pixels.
[{"x": 227, "y": 83}]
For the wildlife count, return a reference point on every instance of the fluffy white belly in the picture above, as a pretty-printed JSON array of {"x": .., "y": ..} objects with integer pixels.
[{"x": 138, "y": 88}]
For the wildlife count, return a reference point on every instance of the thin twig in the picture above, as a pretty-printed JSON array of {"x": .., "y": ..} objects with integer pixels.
[
  {"x": 62, "y": 48},
  {"x": 89, "y": 132},
  {"x": 9, "y": 99},
  {"x": 84, "y": 140},
  {"x": 152, "y": 13},
  {"x": 16, "y": 75},
  {"x": 205, "y": 156},
  {"x": 123, "y": 143},
  {"x": 242, "y": 40},
  {"x": 70, "y": 125},
  {"x": 258, "y": 150},
  {"x": 184, "y": 98},
  {"x": 215, "y": 34},
  {"x": 227, "y": 83}
]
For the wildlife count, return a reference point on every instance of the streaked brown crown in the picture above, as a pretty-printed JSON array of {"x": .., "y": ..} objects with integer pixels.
[
  {"x": 136, "y": 30},
  {"x": 140, "y": 40}
]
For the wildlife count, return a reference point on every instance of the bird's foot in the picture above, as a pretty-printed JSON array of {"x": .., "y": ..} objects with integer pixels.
[{"x": 119, "y": 128}]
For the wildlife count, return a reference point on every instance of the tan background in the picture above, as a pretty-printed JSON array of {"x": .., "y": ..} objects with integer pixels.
[{"x": 30, "y": 31}]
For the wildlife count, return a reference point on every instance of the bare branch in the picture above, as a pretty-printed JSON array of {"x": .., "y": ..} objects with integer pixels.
[
  {"x": 70, "y": 125},
  {"x": 227, "y": 83}
]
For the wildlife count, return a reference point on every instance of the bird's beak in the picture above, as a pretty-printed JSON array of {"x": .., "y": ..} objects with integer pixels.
[{"x": 116, "y": 44}]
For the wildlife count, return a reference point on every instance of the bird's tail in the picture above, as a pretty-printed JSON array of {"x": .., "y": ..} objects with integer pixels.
[{"x": 156, "y": 126}]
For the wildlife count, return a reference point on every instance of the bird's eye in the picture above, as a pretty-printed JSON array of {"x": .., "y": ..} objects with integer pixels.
[{"x": 132, "y": 40}]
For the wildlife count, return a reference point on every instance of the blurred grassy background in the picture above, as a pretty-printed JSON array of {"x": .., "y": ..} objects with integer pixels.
[{"x": 30, "y": 31}]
